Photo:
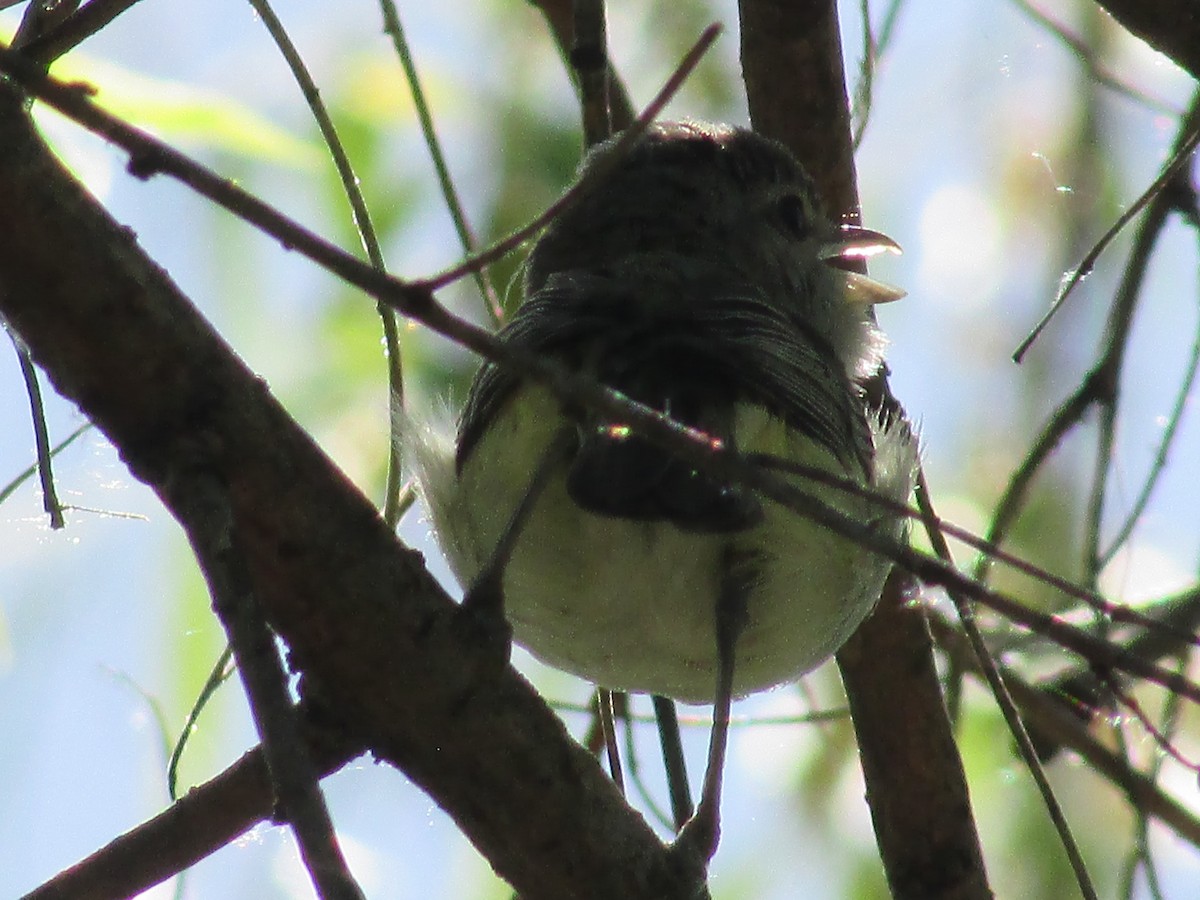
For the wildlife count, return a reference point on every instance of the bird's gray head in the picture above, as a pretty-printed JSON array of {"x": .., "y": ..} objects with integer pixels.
[{"x": 723, "y": 208}]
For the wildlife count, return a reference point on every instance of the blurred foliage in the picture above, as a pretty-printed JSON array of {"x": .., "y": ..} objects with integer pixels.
[{"x": 189, "y": 117}]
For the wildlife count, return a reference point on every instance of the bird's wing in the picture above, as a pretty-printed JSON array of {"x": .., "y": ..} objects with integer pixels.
[{"x": 767, "y": 354}]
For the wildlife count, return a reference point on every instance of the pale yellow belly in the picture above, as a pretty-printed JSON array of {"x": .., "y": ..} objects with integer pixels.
[{"x": 631, "y": 605}]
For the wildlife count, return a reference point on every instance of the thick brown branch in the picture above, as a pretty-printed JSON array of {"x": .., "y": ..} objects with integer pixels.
[
  {"x": 915, "y": 781},
  {"x": 362, "y": 616},
  {"x": 796, "y": 87}
]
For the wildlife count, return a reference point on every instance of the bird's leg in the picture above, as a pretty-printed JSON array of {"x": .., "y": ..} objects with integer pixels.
[
  {"x": 484, "y": 599},
  {"x": 702, "y": 832},
  {"x": 673, "y": 761}
]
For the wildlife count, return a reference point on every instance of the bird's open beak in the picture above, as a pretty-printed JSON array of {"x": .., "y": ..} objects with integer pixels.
[{"x": 851, "y": 242}]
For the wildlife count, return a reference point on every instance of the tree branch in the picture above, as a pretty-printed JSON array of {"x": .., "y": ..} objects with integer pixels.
[
  {"x": 1171, "y": 27},
  {"x": 294, "y": 777},
  {"x": 363, "y": 618},
  {"x": 791, "y": 58},
  {"x": 201, "y": 822}
]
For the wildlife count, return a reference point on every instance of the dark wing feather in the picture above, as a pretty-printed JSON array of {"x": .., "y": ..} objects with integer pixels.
[
  {"x": 780, "y": 363},
  {"x": 692, "y": 358}
]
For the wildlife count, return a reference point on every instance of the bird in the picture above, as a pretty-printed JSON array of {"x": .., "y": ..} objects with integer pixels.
[{"x": 695, "y": 275}]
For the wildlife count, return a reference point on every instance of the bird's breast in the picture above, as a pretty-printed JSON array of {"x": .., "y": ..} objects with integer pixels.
[{"x": 629, "y": 602}]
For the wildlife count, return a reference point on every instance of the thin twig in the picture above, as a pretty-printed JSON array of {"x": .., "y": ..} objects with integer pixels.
[
  {"x": 293, "y": 773},
  {"x": 41, "y": 17},
  {"x": 1141, "y": 852},
  {"x": 634, "y": 768},
  {"x": 1095, "y": 385},
  {"x": 589, "y": 59},
  {"x": 927, "y": 568},
  {"x": 560, "y": 16},
  {"x": 41, "y": 437},
  {"x": 1105, "y": 376},
  {"x": 608, "y": 728},
  {"x": 206, "y": 818},
  {"x": 393, "y": 27},
  {"x": 1051, "y": 718},
  {"x": 595, "y": 175},
  {"x": 217, "y": 676},
  {"x": 860, "y": 113},
  {"x": 1004, "y": 701},
  {"x": 9, "y": 489},
  {"x": 1159, "y": 737},
  {"x": 887, "y": 30},
  {"x": 1158, "y": 466},
  {"x": 78, "y": 27},
  {"x": 990, "y": 550},
  {"x": 667, "y": 720},
  {"x": 1177, "y": 618},
  {"x": 392, "y": 507},
  {"x": 1009, "y": 506},
  {"x": 1178, "y": 160}
]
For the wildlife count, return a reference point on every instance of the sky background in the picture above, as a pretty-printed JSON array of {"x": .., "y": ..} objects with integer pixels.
[{"x": 970, "y": 161}]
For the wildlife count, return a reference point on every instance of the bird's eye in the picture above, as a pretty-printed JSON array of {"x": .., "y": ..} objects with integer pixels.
[{"x": 794, "y": 213}]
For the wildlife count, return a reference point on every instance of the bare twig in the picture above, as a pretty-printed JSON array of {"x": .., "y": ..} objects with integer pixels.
[
  {"x": 41, "y": 17},
  {"x": 595, "y": 175},
  {"x": 41, "y": 437},
  {"x": 393, "y": 26},
  {"x": 294, "y": 775},
  {"x": 7, "y": 490},
  {"x": 875, "y": 44},
  {"x": 1004, "y": 701},
  {"x": 1134, "y": 515},
  {"x": 1179, "y": 159},
  {"x": 217, "y": 676},
  {"x": 1100, "y": 381},
  {"x": 1140, "y": 856},
  {"x": 202, "y": 821},
  {"x": 1008, "y": 508},
  {"x": 394, "y": 498},
  {"x": 1179, "y": 618},
  {"x": 994, "y": 553},
  {"x": 1160, "y": 737},
  {"x": 1105, "y": 377},
  {"x": 656, "y": 812},
  {"x": 1052, "y": 719},
  {"x": 75, "y": 29},
  {"x": 560, "y": 15}
]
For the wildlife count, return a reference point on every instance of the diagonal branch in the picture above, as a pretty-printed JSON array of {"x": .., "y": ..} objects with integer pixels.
[
  {"x": 365, "y": 622},
  {"x": 201, "y": 822},
  {"x": 1171, "y": 27}
]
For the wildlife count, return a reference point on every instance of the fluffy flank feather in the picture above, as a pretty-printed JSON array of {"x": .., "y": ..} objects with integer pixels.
[{"x": 425, "y": 443}]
